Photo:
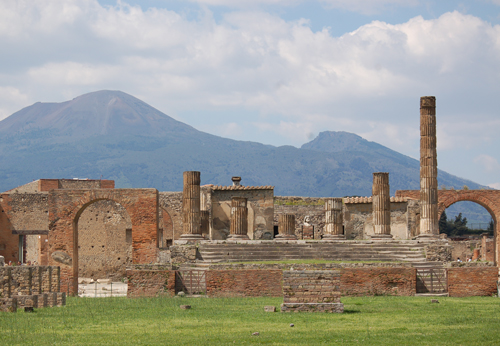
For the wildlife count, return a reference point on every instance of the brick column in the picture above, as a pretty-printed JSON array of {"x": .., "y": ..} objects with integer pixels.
[
  {"x": 191, "y": 207},
  {"x": 239, "y": 219},
  {"x": 381, "y": 206},
  {"x": 286, "y": 227},
  {"x": 334, "y": 221},
  {"x": 429, "y": 222}
]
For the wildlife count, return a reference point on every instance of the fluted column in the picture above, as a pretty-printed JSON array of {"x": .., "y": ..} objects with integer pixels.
[
  {"x": 286, "y": 227},
  {"x": 239, "y": 219},
  {"x": 429, "y": 222},
  {"x": 381, "y": 206},
  {"x": 191, "y": 206},
  {"x": 334, "y": 220}
]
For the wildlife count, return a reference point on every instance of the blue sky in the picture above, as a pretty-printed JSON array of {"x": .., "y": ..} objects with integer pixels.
[{"x": 274, "y": 71}]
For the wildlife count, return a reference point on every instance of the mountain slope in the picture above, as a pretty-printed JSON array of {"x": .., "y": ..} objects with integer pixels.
[{"x": 116, "y": 136}]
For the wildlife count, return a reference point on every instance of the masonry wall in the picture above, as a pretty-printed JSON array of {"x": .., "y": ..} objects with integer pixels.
[
  {"x": 22, "y": 212},
  {"x": 260, "y": 212},
  {"x": 104, "y": 249},
  {"x": 244, "y": 283},
  {"x": 170, "y": 222},
  {"x": 28, "y": 280},
  {"x": 311, "y": 286},
  {"x": 314, "y": 207},
  {"x": 358, "y": 219},
  {"x": 378, "y": 281},
  {"x": 150, "y": 283},
  {"x": 466, "y": 282}
]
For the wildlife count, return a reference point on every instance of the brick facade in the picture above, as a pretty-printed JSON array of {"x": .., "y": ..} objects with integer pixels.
[
  {"x": 150, "y": 283},
  {"x": 378, "y": 281},
  {"x": 244, "y": 283},
  {"x": 466, "y": 282},
  {"x": 312, "y": 291}
]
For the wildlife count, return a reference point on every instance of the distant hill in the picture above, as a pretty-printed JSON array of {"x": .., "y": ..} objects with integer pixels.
[{"x": 113, "y": 135}]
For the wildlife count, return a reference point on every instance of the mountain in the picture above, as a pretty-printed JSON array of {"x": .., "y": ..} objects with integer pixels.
[{"x": 113, "y": 135}]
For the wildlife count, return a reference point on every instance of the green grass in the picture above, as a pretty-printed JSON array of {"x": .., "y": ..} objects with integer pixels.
[{"x": 231, "y": 321}]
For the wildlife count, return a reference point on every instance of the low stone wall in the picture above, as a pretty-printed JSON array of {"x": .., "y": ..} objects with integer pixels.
[
  {"x": 244, "y": 283},
  {"x": 440, "y": 252},
  {"x": 469, "y": 281},
  {"x": 378, "y": 282},
  {"x": 312, "y": 291},
  {"x": 8, "y": 304},
  {"x": 28, "y": 280},
  {"x": 150, "y": 283}
]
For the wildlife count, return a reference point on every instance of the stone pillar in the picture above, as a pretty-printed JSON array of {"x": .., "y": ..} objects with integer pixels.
[
  {"x": 286, "y": 227},
  {"x": 239, "y": 219},
  {"x": 191, "y": 207},
  {"x": 381, "y": 206},
  {"x": 429, "y": 222},
  {"x": 334, "y": 221}
]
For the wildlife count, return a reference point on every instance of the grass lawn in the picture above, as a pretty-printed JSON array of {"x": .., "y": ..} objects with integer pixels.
[{"x": 231, "y": 321}]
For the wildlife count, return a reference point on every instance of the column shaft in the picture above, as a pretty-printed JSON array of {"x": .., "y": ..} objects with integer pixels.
[
  {"x": 429, "y": 222},
  {"x": 191, "y": 206},
  {"x": 381, "y": 205},
  {"x": 286, "y": 227},
  {"x": 239, "y": 219},
  {"x": 334, "y": 220}
]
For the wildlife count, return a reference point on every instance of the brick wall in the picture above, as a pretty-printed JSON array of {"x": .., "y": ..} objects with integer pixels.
[
  {"x": 378, "y": 281},
  {"x": 150, "y": 283},
  {"x": 466, "y": 282},
  {"x": 311, "y": 286},
  {"x": 244, "y": 283}
]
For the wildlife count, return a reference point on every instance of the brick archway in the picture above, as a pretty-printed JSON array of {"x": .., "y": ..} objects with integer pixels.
[
  {"x": 489, "y": 199},
  {"x": 66, "y": 206}
]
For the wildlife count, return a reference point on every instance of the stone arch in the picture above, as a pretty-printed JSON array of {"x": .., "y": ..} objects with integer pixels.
[
  {"x": 448, "y": 198},
  {"x": 166, "y": 228},
  {"x": 65, "y": 208}
]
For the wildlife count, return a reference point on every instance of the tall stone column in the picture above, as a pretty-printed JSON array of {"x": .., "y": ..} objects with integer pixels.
[
  {"x": 429, "y": 222},
  {"x": 334, "y": 220},
  {"x": 239, "y": 219},
  {"x": 286, "y": 227},
  {"x": 191, "y": 207},
  {"x": 381, "y": 206}
]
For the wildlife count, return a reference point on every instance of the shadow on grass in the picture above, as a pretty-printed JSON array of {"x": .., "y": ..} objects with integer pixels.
[{"x": 348, "y": 311}]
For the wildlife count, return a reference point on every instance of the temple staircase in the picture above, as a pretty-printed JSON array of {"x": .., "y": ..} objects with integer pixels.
[{"x": 335, "y": 251}]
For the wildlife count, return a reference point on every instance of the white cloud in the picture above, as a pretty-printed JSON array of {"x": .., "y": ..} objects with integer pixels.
[
  {"x": 489, "y": 164},
  {"x": 367, "y": 81},
  {"x": 496, "y": 186}
]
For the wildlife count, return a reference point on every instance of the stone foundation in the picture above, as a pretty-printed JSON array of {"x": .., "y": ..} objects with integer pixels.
[
  {"x": 312, "y": 291},
  {"x": 312, "y": 307}
]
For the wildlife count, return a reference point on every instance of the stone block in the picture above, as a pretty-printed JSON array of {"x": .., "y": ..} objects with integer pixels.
[
  {"x": 8, "y": 304},
  {"x": 313, "y": 307},
  {"x": 269, "y": 308}
]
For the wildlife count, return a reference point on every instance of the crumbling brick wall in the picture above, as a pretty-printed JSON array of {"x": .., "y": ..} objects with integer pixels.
[
  {"x": 378, "y": 281},
  {"x": 150, "y": 282},
  {"x": 244, "y": 283},
  {"x": 466, "y": 282}
]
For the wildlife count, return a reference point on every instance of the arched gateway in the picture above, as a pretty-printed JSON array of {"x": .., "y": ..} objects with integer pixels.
[
  {"x": 65, "y": 208},
  {"x": 489, "y": 199}
]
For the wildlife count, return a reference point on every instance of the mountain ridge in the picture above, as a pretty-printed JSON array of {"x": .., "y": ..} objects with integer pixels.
[{"x": 117, "y": 136}]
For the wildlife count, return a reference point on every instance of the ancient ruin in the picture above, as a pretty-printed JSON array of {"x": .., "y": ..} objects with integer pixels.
[{"x": 87, "y": 228}]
